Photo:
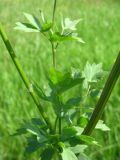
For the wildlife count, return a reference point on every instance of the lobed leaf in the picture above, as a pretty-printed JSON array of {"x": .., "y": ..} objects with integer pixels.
[
  {"x": 100, "y": 125},
  {"x": 47, "y": 154},
  {"x": 67, "y": 154},
  {"x": 78, "y": 148},
  {"x": 57, "y": 37},
  {"x": 33, "y": 20},
  {"x": 69, "y": 24},
  {"x": 92, "y": 74},
  {"x": 26, "y": 27}
]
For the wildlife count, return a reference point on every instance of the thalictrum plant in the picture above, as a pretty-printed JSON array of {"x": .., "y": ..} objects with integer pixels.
[{"x": 71, "y": 94}]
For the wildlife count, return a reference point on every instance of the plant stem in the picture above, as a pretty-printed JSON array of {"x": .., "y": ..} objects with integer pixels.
[
  {"x": 60, "y": 125},
  {"x": 107, "y": 90},
  {"x": 24, "y": 77},
  {"x": 56, "y": 120},
  {"x": 54, "y": 9},
  {"x": 53, "y": 54},
  {"x": 52, "y": 43}
]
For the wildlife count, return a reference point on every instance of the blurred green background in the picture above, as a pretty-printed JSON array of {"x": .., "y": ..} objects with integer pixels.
[{"x": 100, "y": 29}]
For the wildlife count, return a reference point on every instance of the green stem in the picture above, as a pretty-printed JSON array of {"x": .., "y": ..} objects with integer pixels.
[
  {"x": 24, "y": 77},
  {"x": 54, "y": 9},
  {"x": 60, "y": 125},
  {"x": 56, "y": 120},
  {"x": 53, "y": 54},
  {"x": 52, "y": 43},
  {"x": 107, "y": 90}
]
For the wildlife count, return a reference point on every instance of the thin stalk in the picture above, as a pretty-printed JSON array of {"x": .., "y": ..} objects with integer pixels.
[
  {"x": 54, "y": 47},
  {"x": 56, "y": 120},
  {"x": 107, "y": 90},
  {"x": 54, "y": 9},
  {"x": 53, "y": 54},
  {"x": 52, "y": 43},
  {"x": 24, "y": 77},
  {"x": 60, "y": 125}
]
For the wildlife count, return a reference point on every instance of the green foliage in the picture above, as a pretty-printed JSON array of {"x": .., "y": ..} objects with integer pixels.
[
  {"x": 33, "y": 25},
  {"x": 67, "y": 141},
  {"x": 100, "y": 125}
]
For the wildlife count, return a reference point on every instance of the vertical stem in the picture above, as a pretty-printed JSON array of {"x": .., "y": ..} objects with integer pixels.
[
  {"x": 56, "y": 120},
  {"x": 52, "y": 43},
  {"x": 24, "y": 77},
  {"x": 54, "y": 9},
  {"x": 107, "y": 90},
  {"x": 53, "y": 54},
  {"x": 60, "y": 124}
]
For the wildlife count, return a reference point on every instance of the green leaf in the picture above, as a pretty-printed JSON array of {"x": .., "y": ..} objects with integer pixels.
[
  {"x": 69, "y": 132},
  {"x": 94, "y": 93},
  {"x": 60, "y": 82},
  {"x": 55, "y": 76},
  {"x": 46, "y": 27},
  {"x": 35, "y": 127},
  {"x": 83, "y": 156},
  {"x": 20, "y": 131},
  {"x": 73, "y": 101},
  {"x": 100, "y": 125},
  {"x": 92, "y": 74},
  {"x": 67, "y": 154},
  {"x": 38, "y": 121},
  {"x": 74, "y": 37},
  {"x": 78, "y": 148},
  {"x": 57, "y": 37},
  {"x": 47, "y": 154},
  {"x": 69, "y": 24},
  {"x": 26, "y": 27},
  {"x": 33, "y": 20},
  {"x": 83, "y": 120},
  {"x": 33, "y": 144},
  {"x": 87, "y": 139},
  {"x": 40, "y": 92}
]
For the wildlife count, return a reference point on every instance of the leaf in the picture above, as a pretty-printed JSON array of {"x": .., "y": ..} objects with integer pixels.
[
  {"x": 60, "y": 82},
  {"x": 35, "y": 127},
  {"x": 94, "y": 92},
  {"x": 78, "y": 148},
  {"x": 26, "y": 27},
  {"x": 57, "y": 37},
  {"x": 72, "y": 131},
  {"x": 20, "y": 131},
  {"x": 33, "y": 20},
  {"x": 87, "y": 139},
  {"x": 92, "y": 74},
  {"x": 69, "y": 24},
  {"x": 67, "y": 154},
  {"x": 46, "y": 27},
  {"x": 55, "y": 76},
  {"x": 100, "y": 125},
  {"x": 33, "y": 144},
  {"x": 47, "y": 154},
  {"x": 37, "y": 121},
  {"x": 69, "y": 132},
  {"x": 83, "y": 156},
  {"x": 40, "y": 92},
  {"x": 83, "y": 120},
  {"x": 74, "y": 36},
  {"x": 75, "y": 101}
]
